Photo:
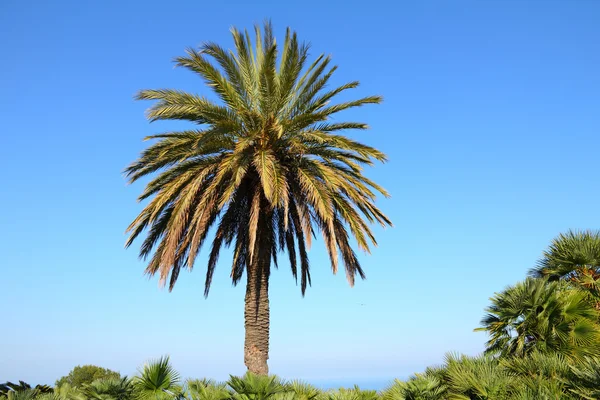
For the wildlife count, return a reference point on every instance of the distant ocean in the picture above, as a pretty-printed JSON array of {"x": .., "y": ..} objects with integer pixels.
[{"x": 370, "y": 384}]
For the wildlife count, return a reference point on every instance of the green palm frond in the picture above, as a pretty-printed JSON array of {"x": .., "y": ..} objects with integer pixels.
[
  {"x": 298, "y": 390},
  {"x": 26, "y": 394},
  {"x": 267, "y": 167},
  {"x": 354, "y": 393},
  {"x": 109, "y": 388},
  {"x": 206, "y": 389},
  {"x": 157, "y": 380},
  {"x": 64, "y": 392},
  {"x": 586, "y": 380},
  {"x": 418, "y": 387},
  {"x": 574, "y": 257},
  {"x": 543, "y": 316},
  {"x": 256, "y": 387},
  {"x": 476, "y": 378},
  {"x": 22, "y": 386}
]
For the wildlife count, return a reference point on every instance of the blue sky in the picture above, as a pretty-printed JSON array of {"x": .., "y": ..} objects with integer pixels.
[{"x": 490, "y": 122}]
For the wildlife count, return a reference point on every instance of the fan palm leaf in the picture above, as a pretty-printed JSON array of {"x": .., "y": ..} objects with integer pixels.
[{"x": 157, "y": 380}]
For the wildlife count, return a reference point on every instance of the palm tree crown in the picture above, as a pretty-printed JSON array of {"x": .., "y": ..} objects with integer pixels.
[
  {"x": 266, "y": 163},
  {"x": 544, "y": 316},
  {"x": 573, "y": 256}
]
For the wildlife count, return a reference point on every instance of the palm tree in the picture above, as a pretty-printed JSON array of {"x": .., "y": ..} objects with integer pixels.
[
  {"x": 206, "y": 389},
  {"x": 64, "y": 391},
  {"x": 299, "y": 390},
  {"x": 475, "y": 378},
  {"x": 575, "y": 257},
  {"x": 541, "y": 315},
  {"x": 256, "y": 387},
  {"x": 157, "y": 380},
  {"x": 267, "y": 168},
  {"x": 7, "y": 387},
  {"x": 109, "y": 388},
  {"x": 418, "y": 387}
]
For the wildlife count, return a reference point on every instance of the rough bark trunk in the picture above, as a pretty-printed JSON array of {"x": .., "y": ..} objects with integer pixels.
[{"x": 256, "y": 319}]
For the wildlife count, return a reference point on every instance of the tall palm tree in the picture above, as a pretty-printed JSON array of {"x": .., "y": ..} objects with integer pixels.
[
  {"x": 573, "y": 256},
  {"x": 539, "y": 315},
  {"x": 267, "y": 168}
]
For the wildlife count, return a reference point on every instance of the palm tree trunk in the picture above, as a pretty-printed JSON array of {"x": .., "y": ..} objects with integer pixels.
[{"x": 256, "y": 319}]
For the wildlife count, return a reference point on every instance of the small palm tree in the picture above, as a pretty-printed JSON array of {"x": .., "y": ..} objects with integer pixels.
[
  {"x": 256, "y": 387},
  {"x": 267, "y": 168},
  {"x": 476, "y": 378},
  {"x": 27, "y": 394},
  {"x": 157, "y": 380},
  {"x": 298, "y": 390},
  {"x": 7, "y": 387},
  {"x": 109, "y": 388},
  {"x": 64, "y": 391},
  {"x": 574, "y": 257},
  {"x": 544, "y": 316},
  {"x": 542, "y": 374},
  {"x": 206, "y": 389},
  {"x": 418, "y": 387}
]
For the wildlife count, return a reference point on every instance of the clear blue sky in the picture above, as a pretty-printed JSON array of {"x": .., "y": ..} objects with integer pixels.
[{"x": 491, "y": 123}]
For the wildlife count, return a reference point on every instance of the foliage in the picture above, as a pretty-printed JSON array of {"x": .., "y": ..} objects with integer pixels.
[
  {"x": 157, "y": 380},
  {"x": 573, "y": 257},
  {"x": 205, "y": 389},
  {"x": 109, "y": 389},
  {"x": 7, "y": 387},
  {"x": 587, "y": 375},
  {"x": 298, "y": 390},
  {"x": 256, "y": 387},
  {"x": 27, "y": 394},
  {"x": 544, "y": 316},
  {"x": 418, "y": 387},
  {"x": 64, "y": 392},
  {"x": 86, "y": 374},
  {"x": 354, "y": 393},
  {"x": 267, "y": 167},
  {"x": 534, "y": 376},
  {"x": 544, "y": 345}
]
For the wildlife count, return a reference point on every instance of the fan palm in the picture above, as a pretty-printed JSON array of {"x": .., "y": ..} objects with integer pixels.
[
  {"x": 298, "y": 390},
  {"x": 256, "y": 387},
  {"x": 7, "y": 387},
  {"x": 575, "y": 257},
  {"x": 109, "y": 388},
  {"x": 418, "y": 387},
  {"x": 540, "y": 374},
  {"x": 206, "y": 389},
  {"x": 26, "y": 394},
  {"x": 475, "y": 378},
  {"x": 267, "y": 168},
  {"x": 157, "y": 380},
  {"x": 64, "y": 391},
  {"x": 547, "y": 316}
]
